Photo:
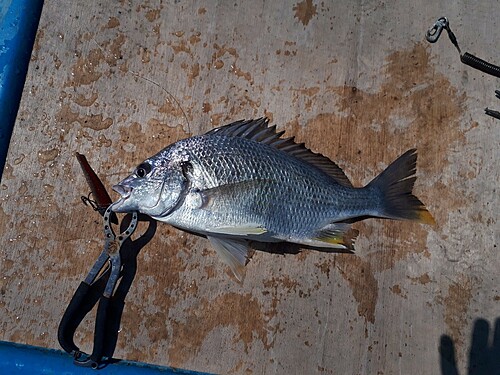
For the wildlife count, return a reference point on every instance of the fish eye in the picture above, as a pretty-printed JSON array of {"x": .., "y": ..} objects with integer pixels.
[{"x": 143, "y": 169}]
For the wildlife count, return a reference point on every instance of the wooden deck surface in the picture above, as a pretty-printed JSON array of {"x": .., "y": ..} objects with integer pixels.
[{"x": 356, "y": 81}]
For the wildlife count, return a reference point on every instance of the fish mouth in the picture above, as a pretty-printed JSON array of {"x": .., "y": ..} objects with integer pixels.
[{"x": 124, "y": 191}]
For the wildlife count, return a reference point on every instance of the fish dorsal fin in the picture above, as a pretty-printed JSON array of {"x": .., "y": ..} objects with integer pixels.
[{"x": 259, "y": 130}]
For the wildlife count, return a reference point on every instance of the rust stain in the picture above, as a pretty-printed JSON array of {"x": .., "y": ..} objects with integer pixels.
[
  {"x": 37, "y": 44},
  {"x": 195, "y": 38},
  {"x": 145, "y": 55},
  {"x": 112, "y": 23},
  {"x": 194, "y": 72},
  {"x": 170, "y": 108},
  {"x": 153, "y": 14},
  {"x": 165, "y": 133},
  {"x": 360, "y": 276},
  {"x": 7, "y": 172},
  {"x": 202, "y": 11},
  {"x": 269, "y": 115},
  {"x": 284, "y": 282},
  {"x": 325, "y": 266},
  {"x": 114, "y": 47},
  {"x": 241, "y": 74},
  {"x": 206, "y": 107},
  {"x": 310, "y": 91},
  {"x": 102, "y": 141},
  {"x": 456, "y": 304},
  {"x": 396, "y": 289},
  {"x": 4, "y": 219},
  {"x": 216, "y": 118},
  {"x": 240, "y": 311},
  {"x": 422, "y": 279},
  {"x": 220, "y": 51},
  {"x": 131, "y": 132},
  {"x": 82, "y": 101},
  {"x": 180, "y": 46},
  {"x": 219, "y": 64},
  {"x": 305, "y": 11},
  {"x": 84, "y": 71}
]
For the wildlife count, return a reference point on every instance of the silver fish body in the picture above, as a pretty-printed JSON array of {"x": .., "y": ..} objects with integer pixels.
[{"x": 244, "y": 182}]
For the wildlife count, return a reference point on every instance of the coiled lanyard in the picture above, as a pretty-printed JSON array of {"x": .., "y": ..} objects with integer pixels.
[{"x": 433, "y": 35}]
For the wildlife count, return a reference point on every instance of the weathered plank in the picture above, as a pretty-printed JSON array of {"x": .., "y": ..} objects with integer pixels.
[{"x": 118, "y": 81}]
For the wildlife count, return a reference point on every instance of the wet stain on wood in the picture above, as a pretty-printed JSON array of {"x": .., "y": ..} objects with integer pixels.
[
  {"x": 292, "y": 310},
  {"x": 96, "y": 122},
  {"x": 456, "y": 304},
  {"x": 400, "y": 115},
  {"x": 240, "y": 311}
]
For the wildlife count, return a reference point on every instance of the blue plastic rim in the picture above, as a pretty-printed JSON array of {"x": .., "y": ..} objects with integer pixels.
[
  {"x": 18, "y": 24},
  {"x": 20, "y": 359}
]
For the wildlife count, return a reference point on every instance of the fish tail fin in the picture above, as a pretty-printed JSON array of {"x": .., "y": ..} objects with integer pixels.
[{"x": 395, "y": 185}]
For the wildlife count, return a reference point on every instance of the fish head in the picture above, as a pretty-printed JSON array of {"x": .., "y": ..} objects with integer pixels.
[{"x": 155, "y": 188}]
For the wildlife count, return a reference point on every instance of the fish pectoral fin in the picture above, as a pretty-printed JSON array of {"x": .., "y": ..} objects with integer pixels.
[
  {"x": 239, "y": 230},
  {"x": 338, "y": 236},
  {"x": 233, "y": 253},
  {"x": 229, "y": 194}
]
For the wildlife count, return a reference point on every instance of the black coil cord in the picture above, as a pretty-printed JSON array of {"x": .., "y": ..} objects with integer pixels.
[{"x": 433, "y": 35}]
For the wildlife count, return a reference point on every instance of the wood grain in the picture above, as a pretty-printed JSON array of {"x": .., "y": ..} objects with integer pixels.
[{"x": 118, "y": 81}]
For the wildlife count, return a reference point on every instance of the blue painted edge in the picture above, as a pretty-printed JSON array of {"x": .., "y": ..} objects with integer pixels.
[
  {"x": 18, "y": 25},
  {"x": 20, "y": 359}
]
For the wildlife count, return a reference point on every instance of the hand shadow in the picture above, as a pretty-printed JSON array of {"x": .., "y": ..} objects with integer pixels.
[
  {"x": 484, "y": 359},
  {"x": 129, "y": 252}
]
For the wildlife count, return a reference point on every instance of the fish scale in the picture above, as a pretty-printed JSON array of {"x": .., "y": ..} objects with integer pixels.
[
  {"x": 290, "y": 184},
  {"x": 243, "y": 182}
]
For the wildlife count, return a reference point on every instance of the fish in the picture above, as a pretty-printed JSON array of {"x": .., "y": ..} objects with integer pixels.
[{"x": 244, "y": 182}]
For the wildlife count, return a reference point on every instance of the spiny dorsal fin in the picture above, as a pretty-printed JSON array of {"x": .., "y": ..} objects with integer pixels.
[{"x": 259, "y": 130}]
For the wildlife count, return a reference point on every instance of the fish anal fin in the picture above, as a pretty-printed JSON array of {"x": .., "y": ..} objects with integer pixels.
[
  {"x": 233, "y": 252},
  {"x": 339, "y": 236}
]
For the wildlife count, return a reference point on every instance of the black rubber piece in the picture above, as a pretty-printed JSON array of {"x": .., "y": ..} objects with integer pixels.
[
  {"x": 100, "y": 330},
  {"x": 84, "y": 299},
  {"x": 492, "y": 113},
  {"x": 72, "y": 318},
  {"x": 480, "y": 64}
]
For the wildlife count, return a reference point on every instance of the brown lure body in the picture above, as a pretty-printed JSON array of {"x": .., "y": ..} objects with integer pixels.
[{"x": 102, "y": 200}]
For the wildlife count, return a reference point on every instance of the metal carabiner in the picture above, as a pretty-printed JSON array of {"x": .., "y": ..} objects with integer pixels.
[{"x": 432, "y": 35}]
